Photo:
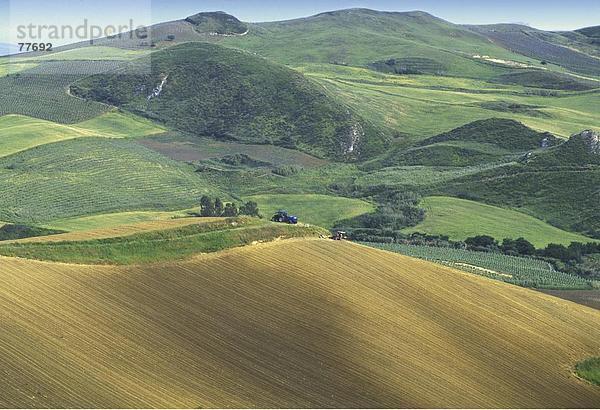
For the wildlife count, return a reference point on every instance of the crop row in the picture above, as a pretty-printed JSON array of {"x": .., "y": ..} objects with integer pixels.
[{"x": 527, "y": 272}]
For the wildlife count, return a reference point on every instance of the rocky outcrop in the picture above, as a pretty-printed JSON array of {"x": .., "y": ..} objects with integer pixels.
[{"x": 590, "y": 139}]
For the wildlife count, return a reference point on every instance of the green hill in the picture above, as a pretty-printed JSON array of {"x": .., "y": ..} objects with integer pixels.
[
  {"x": 209, "y": 90},
  {"x": 593, "y": 32},
  {"x": 361, "y": 37},
  {"x": 504, "y": 133},
  {"x": 479, "y": 142}
]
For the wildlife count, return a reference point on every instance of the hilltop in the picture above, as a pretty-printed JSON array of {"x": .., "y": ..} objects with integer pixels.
[
  {"x": 360, "y": 37},
  {"x": 250, "y": 328}
]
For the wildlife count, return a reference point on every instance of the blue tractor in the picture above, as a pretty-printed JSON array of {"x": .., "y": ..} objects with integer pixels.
[{"x": 284, "y": 217}]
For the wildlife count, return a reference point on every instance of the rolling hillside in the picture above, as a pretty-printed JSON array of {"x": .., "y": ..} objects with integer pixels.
[
  {"x": 93, "y": 175},
  {"x": 559, "y": 185},
  {"x": 247, "y": 328},
  {"x": 460, "y": 219},
  {"x": 209, "y": 90},
  {"x": 20, "y": 133},
  {"x": 360, "y": 37},
  {"x": 541, "y": 45}
]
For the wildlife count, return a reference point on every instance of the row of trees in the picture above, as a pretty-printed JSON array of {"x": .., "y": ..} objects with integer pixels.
[{"x": 216, "y": 207}]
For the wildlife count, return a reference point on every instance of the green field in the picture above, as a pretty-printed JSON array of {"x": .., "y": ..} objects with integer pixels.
[
  {"x": 165, "y": 245},
  {"x": 321, "y": 210},
  {"x": 91, "y": 176},
  {"x": 41, "y": 91},
  {"x": 460, "y": 219},
  {"x": 20, "y": 133},
  {"x": 405, "y": 104},
  {"x": 525, "y": 272}
]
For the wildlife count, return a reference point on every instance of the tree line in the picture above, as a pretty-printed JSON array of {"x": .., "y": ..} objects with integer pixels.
[{"x": 210, "y": 207}]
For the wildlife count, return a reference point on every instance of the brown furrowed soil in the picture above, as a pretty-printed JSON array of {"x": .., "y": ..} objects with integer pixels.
[{"x": 303, "y": 323}]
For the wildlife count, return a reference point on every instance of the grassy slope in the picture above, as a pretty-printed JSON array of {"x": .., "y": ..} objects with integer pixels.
[
  {"x": 250, "y": 328},
  {"x": 20, "y": 133},
  {"x": 406, "y": 104},
  {"x": 590, "y": 370},
  {"x": 113, "y": 220},
  {"x": 41, "y": 91},
  {"x": 460, "y": 219},
  {"x": 128, "y": 228},
  {"x": 322, "y": 210},
  {"x": 359, "y": 37},
  {"x": 93, "y": 175},
  {"x": 156, "y": 243}
]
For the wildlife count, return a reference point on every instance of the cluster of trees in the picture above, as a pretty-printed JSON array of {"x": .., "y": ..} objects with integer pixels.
[{"x": 216, "y": 207}]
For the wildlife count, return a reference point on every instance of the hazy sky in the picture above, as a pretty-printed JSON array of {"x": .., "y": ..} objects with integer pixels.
[{"x": 544, "y": 14}]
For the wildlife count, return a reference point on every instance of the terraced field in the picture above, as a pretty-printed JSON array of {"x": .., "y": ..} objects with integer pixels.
[
  {"x": 158, "y": 242},
  {"x": 20, "y": 133},
  {"x": 460, "y": 219},
  {"x": 247, "y": 328},
  {"x": 198, "y": 149}
]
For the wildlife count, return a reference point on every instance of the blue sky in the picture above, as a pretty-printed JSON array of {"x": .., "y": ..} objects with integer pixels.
[{"x": 546, "y": 14}]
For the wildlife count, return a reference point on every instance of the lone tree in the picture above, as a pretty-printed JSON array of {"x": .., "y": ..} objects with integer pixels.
[
  {"x": 207, "y": 206},
  {"x": 250, "y": 208}
]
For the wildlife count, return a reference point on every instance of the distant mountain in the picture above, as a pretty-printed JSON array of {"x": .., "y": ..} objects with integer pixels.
[
  {"x": 209, "y": 90},
  {"x": 593, "y": 32},
  {"x": 218, "y": 22}
]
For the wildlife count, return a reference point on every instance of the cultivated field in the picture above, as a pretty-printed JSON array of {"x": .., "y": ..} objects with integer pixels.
[
  {"x": 88, "y": 176},
  {"x": 250, "y": 328},
  {"x": 460, "y": 219},
  {"x": 520, "y": 271},
  {"x": 20, "y": 132}
]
